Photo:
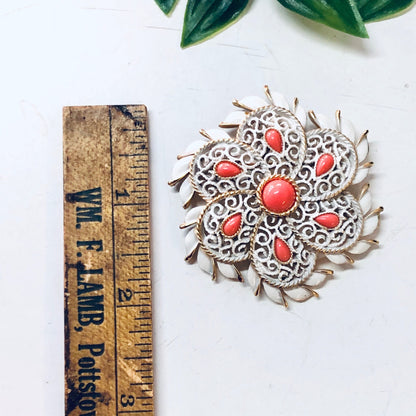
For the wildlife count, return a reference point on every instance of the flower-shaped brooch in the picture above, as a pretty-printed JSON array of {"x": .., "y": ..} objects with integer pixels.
[{"x": 273, "y": 195}]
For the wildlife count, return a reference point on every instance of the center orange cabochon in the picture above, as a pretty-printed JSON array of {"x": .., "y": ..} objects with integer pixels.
[{"x": 278, "y": 195}]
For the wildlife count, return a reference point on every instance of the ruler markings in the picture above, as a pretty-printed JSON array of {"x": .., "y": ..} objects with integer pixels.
[
  {"x": 131, "y": 204},
  {"x": 125, "y": 210},
  {"x": 114, "y": 255},
  {"x": 134, "y": 306}
]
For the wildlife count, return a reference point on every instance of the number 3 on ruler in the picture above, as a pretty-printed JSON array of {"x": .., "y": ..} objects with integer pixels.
[{"x": 126, "y": 400}]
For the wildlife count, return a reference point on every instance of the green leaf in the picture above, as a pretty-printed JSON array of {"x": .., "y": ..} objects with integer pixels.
[
  {"x": 204, "y": 18},
  {"x": 338, "y": 14},
  {"x": 372, "y": 10},
  {"x": 166, "y": 5}
]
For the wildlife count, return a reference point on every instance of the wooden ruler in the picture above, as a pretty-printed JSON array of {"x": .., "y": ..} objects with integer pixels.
[{"x": 108, "y": 308}]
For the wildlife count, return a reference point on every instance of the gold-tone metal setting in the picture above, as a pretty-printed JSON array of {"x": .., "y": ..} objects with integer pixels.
[
  {"x": 268, "y": 94},
  {"x": 187, "y": 225},
  {"x": 363, "y": 191},
  {"x": 348, "y": 258},
  {"x": 327, "y": 272},
  {"x": 179, "y": 157},
  {"x": 376, "y": 211},
  {"x": 228, "y": 125},
  {"x": 295, "y": 104},
  {"x": 312, "y": 117},
  {"x": 367, "y": 165},
  {"x": 176, "y": 181},
  {"x": 237, "y": 104},
  {"x": 338, "y": 119},
  {"x": 362, "y": 137},
  {"x": 203, "y": 133}
]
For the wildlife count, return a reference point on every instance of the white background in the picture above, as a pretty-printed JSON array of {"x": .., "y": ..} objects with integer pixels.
[{"x": 218, "y": 350}]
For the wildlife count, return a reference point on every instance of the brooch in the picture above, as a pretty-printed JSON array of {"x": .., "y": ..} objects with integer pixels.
[{"x": 274, "y": 196}]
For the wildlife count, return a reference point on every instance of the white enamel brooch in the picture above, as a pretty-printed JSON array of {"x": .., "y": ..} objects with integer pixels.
[{"x": 275, "y": 195}]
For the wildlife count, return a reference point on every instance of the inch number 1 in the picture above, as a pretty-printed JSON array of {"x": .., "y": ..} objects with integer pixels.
[{"x": 119, "y": 194}]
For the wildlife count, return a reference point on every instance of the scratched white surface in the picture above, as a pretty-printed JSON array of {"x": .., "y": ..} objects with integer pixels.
[{"x": 218, "y": 349}]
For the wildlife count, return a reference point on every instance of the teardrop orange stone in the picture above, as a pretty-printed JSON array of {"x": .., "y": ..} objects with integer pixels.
[
  {"x": 274, "y": 139},
  {"x": 282, "y": 250},
  {"x": 329, "y": 220},
  {"x": 227, "y": 169},
  {"x": 232, "y": 225},
  {"x": 324, "y": 164}
]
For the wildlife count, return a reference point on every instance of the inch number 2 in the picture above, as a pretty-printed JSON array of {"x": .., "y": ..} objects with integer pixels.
[
  {"x": 127, "y": 401},
  {"x": 124, "y": 295}
]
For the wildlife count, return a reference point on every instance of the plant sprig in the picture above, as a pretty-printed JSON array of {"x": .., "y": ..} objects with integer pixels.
[{"x": 205, "y": 18}]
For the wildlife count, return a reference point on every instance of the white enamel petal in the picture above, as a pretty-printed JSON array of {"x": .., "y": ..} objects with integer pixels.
[
  {"x": 337, "y": 258},
  {"x": 362, "y": 149},
  {"x": 181, "y": 168},
  {"x": 273, "y": 293},
  {"x": 347, "y": 129},
  {"x": 365, "y": 202},
  {"x": 301, "y": 115},
  {"x": 279, "y": 100},
  {"x": 195, "y": 146},
  {"x": 234, "y": 118},
  {"x": 360, "y": 248},
  {"x": 227, "y": 270},
  {"x": 253, "y": 102},
  {"x": 205, "y": 262},
  {"x": 361, "y": 174},
  {"x": 217, "y": 134},
  {"x": 325, "y": 122},
  {"x": 299, "y": 294},
  {"x": 186, "y": 191},
  {"x": 316, "y": 279},
  {"x": 191, "y": 242},
  {"x": 193, "y": 214},
  {"x": 253, "y": 278},
  {"x": 370, "y": 225}
]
